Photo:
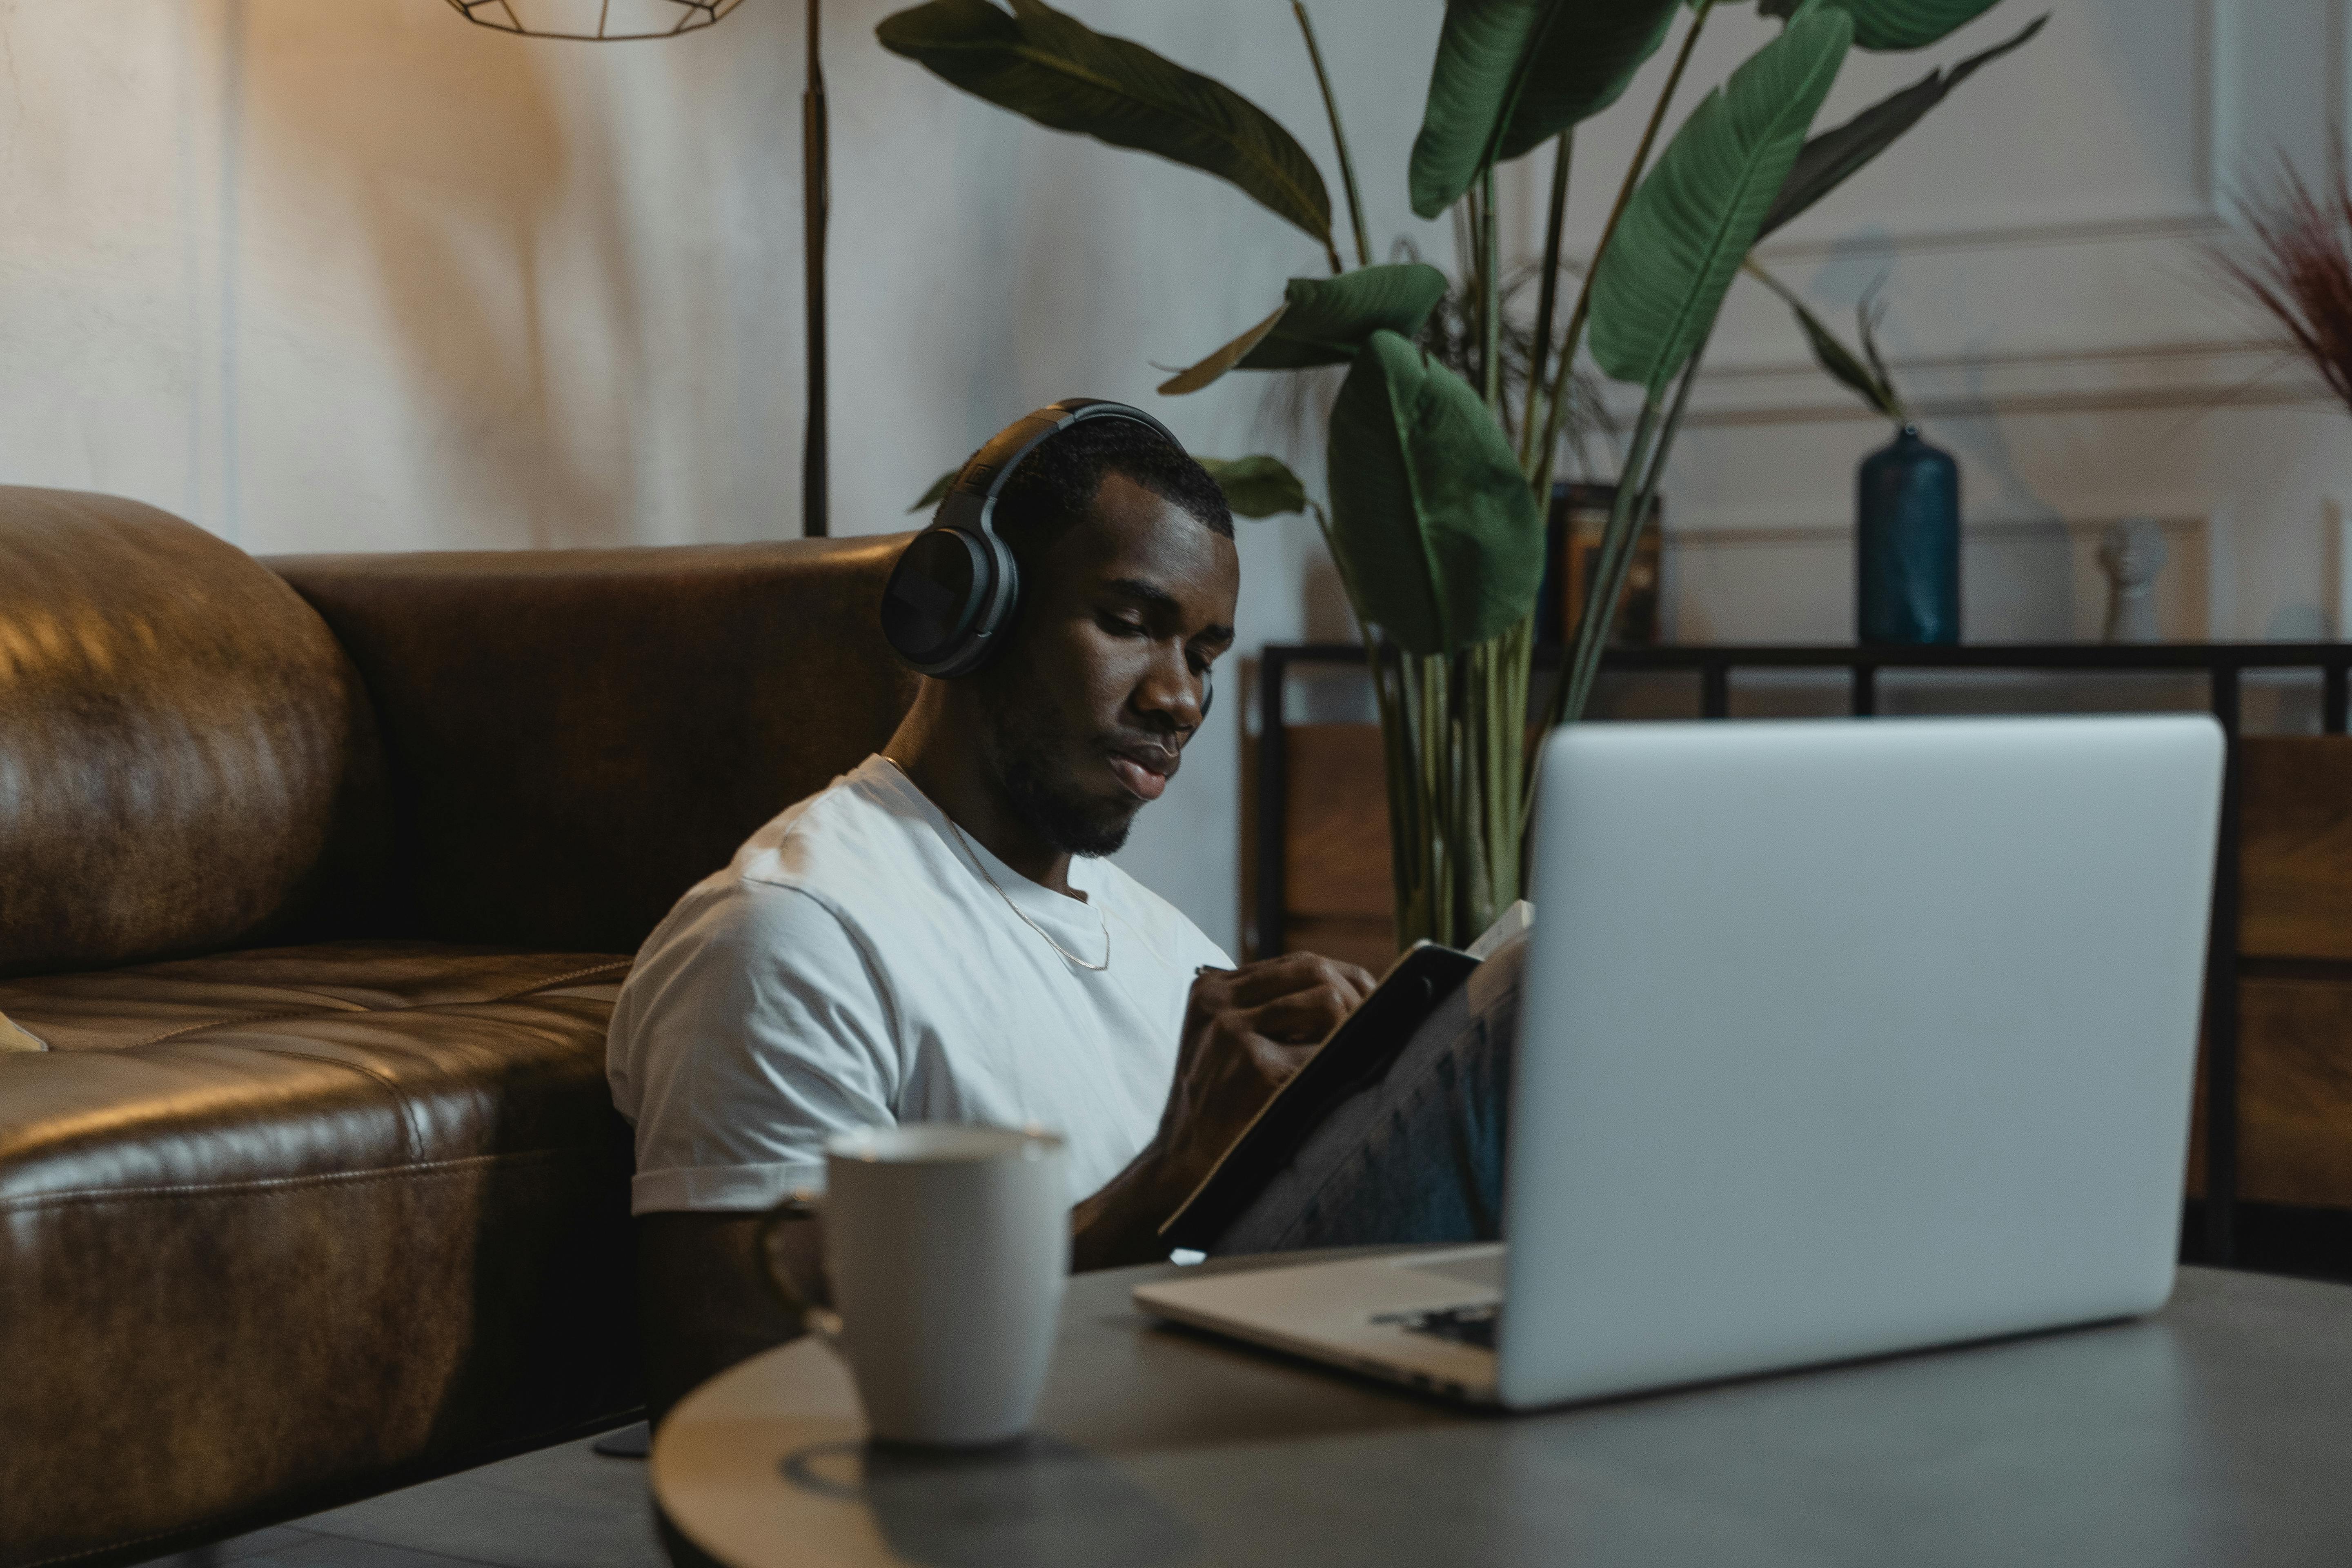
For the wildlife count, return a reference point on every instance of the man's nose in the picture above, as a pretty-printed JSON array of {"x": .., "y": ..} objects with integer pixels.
[{"x": 1170, "y": 690}]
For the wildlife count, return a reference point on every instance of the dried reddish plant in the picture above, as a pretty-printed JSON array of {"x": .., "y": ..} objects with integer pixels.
[{"x": 2297, "y": 266}]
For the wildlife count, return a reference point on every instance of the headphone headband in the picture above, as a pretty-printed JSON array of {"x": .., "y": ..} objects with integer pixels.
[
  {"x": 956, "y": 584},
  {"x": 985, "y": 474}
]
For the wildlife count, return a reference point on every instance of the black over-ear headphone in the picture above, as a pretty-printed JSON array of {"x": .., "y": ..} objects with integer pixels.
[{"x": 956, "y": 584}]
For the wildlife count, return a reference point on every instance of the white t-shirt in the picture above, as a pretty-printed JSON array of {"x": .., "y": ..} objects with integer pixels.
[{"x": 852, "y": 967}]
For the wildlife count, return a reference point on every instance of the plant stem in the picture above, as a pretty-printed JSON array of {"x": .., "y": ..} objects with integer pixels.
[
  {"x": 1591, "y": 617},
  {"x": 1490, "y": 310},
  {"x": 1755, "y": 269},
  {"x": 1338, "y": 138},
  {"x": 1617, "y": 557},
  {"x": 1653, "y": 444},
  {"x": 1547, "y": 297},
  {"x": 1575, "y": 319},
  {"x": 1505, "y": 696}
]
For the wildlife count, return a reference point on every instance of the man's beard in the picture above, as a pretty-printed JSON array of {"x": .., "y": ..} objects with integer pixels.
[{"x": 1071, "y": 821}]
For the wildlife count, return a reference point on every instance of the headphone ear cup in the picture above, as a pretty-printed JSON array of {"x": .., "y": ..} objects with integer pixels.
[
  {"x": 936, "y": 596},
  {"x": 951, "y": 592}
]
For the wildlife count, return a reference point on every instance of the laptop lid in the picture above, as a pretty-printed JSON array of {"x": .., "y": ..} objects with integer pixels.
[{"x": 1848, "y": 1036}]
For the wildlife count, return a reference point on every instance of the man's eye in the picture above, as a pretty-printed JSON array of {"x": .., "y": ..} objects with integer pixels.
[{"x": 1123, "y": 626}]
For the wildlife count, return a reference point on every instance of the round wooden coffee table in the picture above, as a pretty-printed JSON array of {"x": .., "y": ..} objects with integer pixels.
[{"x": 2219, "y": 1431}]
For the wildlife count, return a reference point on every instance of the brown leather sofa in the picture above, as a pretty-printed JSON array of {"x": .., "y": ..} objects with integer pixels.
[{"x": 318, "y": 877}]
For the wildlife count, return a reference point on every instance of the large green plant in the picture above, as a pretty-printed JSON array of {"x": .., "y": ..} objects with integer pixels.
[{"x": 1437, "y": 479}]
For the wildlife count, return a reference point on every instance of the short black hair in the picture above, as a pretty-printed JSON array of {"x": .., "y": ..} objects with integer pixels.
[{"x": 1054, "y": 486}]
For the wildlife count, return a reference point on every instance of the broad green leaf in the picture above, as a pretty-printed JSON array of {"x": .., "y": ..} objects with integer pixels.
[
  {"x": 937, "y": 493},
  {"x": 1208, "y": 370},
  {"x": 1259, "y": 485},
  {"x": 1431, "y": 518},
  {"x": 1512, "y": 74},
  {"x": 1831, "y": 158},
  {"x": 1582, "y": 66},
  {"x": 1661, "y": 280},
  {"x": 1324, "y": 320},
  {"x": 1329, "y": 319},
  {"x": 1895, "y": 23},
  {"x": 1061, "y": 73}
]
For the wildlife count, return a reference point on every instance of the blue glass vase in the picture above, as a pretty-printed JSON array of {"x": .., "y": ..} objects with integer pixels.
[{"x": 1906, "y": 542}]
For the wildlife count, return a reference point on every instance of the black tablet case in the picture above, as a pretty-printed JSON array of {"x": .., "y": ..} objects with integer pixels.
[{"x": 1351, "y": 1057}]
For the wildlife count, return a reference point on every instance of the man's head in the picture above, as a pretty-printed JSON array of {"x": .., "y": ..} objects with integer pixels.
[{"x": 1127, "y": 583}]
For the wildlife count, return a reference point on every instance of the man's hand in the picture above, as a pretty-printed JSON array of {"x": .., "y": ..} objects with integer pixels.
[{"x": 1247, "y": 1030}]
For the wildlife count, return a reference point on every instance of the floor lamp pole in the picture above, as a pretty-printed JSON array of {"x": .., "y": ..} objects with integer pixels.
[{"x": 816, "y": 200}]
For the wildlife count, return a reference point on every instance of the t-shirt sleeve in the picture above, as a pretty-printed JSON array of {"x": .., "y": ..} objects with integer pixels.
[{"x": 753, "y": 1031}]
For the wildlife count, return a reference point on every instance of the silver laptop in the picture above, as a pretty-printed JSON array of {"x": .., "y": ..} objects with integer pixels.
[{"x": 1838, "y": 1038}]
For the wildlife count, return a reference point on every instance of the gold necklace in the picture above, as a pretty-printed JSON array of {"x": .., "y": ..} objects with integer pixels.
[{"x": 979, "y": 866}]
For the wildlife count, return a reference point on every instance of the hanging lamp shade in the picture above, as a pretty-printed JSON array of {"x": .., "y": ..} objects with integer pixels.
[{"x": 603, "y": 20}]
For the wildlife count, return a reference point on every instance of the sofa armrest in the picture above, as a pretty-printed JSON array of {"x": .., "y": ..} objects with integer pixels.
[{"x": 575, "y": 737}]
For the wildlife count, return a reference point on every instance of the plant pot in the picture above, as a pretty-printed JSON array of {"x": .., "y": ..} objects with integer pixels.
[{"x": 1907, "y": 544}]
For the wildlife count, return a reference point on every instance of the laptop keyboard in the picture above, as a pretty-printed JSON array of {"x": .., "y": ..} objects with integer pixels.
[{"x": 1463, "y": 1325}]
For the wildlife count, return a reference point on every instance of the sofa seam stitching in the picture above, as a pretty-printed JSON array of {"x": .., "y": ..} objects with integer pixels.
[
  {"x": 325, "y": 1002},
  {"x": 216, "y": 1024},
  {"x": 561, "y": 980},
  {"x": 536, "y": 986},
  {"x": 266, "y": 1185},
  {"x": 410, "y": 1138}
]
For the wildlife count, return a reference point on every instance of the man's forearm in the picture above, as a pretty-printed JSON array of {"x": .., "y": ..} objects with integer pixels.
[
  {"x": 1119, "y": 1225},
  {"x": 703, "y": 1302}
]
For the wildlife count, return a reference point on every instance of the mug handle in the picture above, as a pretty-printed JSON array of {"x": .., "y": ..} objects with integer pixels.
[{"x": 824, "y": 1323}]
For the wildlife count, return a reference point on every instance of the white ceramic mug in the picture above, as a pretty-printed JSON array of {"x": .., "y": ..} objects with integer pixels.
[{"x": 948, "y": 1245}]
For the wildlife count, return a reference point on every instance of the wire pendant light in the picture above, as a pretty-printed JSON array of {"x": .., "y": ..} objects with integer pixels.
[{"x": 605, "y": 21}]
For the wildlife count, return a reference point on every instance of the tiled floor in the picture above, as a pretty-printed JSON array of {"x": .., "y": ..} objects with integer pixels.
[{"x": 559, "y": 1508}]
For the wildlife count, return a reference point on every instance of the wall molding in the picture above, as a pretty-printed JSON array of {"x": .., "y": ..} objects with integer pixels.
[
  {"x": 2192, "y": 526},
  {"x": 2191, "y": 376},
  {"x": 2036, "y": 578},
  {"x": 2026, "y": 236}
]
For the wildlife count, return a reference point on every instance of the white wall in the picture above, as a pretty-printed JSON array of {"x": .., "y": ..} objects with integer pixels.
[{"x": 352, "y": 275}]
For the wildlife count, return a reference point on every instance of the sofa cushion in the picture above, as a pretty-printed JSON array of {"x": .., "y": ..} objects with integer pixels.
[
  {"x": 279, "y": 1225},
  {"x": 186, "y": 759},
  {"x": 144, "y": 1005},
  {"x": 575, "y": 737}
]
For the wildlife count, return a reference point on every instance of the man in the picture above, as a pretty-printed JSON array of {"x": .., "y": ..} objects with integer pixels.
[{"x": 935, "y": 936}]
